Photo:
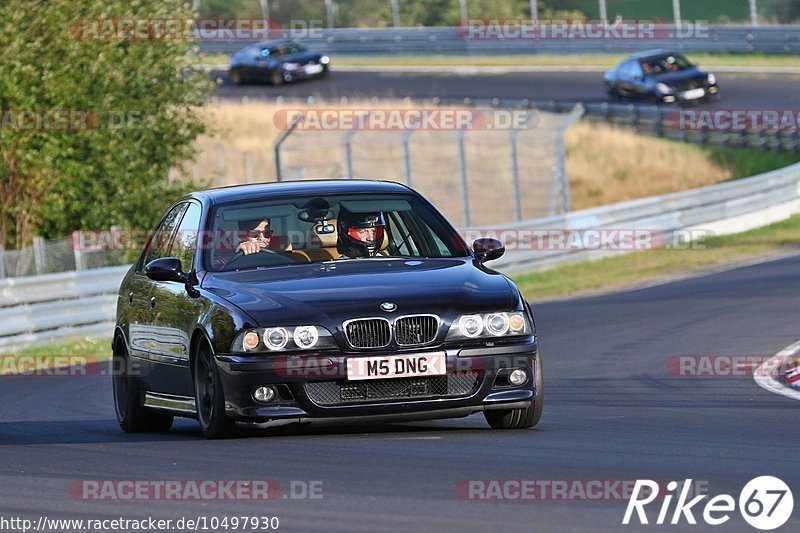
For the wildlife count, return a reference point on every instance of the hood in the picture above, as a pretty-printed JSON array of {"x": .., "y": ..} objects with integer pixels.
[
  {"x": 329, "y": 293},
  {"x": 688, "y": 74}
]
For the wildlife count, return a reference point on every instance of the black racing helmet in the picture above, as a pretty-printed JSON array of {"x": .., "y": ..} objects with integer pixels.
[{"x": 349, "y": 243}]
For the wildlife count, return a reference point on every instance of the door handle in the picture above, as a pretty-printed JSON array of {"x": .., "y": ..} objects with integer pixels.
[{"x": 153, "y": 302}]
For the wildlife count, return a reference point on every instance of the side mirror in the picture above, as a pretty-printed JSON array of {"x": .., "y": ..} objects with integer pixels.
[
  {"x": 488, "y": 249},
  {"x": 165, "y": 269}
]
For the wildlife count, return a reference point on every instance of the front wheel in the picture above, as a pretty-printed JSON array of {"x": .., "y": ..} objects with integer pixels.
[
  {"x": 209, "y": 396},
  {"x": 133, "y": 417},
  {"x": 276, "y": 78},
  {"x": 524, "y": 418}
]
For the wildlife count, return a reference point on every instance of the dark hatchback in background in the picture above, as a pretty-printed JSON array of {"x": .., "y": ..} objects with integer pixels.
[
  {"x": 277, "y": 62},
  {"x": 660, "y": 76},
  {"x": 419, "y": 329}
]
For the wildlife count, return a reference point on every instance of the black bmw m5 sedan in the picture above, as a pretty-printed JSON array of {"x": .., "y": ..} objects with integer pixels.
[{"x": 333, "y": 299}]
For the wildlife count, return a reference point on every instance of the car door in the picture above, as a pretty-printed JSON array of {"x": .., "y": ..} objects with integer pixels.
[
  {"x": 627, "y": 83},
  {"x": 140, "y": 337},
  {"x": 177, "y": 309}
]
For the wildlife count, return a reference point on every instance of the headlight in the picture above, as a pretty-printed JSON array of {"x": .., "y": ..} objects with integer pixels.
[
  {"x": 306, "y": 336},
  {"x": 663, "y": 88},
  {"x": 470, "y": 325},
  {"x": 276, "y": 338},
  {"x": 285, "y": 339},
  {"x": 291, "y": 66},
  {"x": 489, "y": 325},
  {"x": 712, "y": 79},
  {"x": 325, "y": 60}
]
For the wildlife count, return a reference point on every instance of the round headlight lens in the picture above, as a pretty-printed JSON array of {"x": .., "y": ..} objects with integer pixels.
[
  {"x": 516, "y": 323},
  {"x": 276, "y": 338},
  {"x": 325, "y": 60},
  {"x": 470, "y": 325},
  {"x": 306, "y": 336},
  {"x": 250, "y": 341},
  {"x": 663, "y": 88},
  {"x": 497, "y": 323},
  {"x": 712, "y": 79}
]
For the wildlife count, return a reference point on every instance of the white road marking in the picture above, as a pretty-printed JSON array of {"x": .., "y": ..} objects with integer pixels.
[{"x": 765, "y": 378}]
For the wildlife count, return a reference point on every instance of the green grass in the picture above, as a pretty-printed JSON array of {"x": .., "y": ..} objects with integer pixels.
[
  {"x": 720, "y": 10},
  {"x": 746, "y": 162},
  {"x": 621, "y": 269},
  {"x": 68, "y": 352}
]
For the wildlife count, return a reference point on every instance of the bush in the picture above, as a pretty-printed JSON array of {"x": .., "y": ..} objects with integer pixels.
[{"x": 129, "y": 117}]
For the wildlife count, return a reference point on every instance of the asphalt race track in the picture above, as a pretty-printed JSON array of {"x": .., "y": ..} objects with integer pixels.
[
  {"x": 739, "y": 91},
  {"x": 612, "y": 413}
]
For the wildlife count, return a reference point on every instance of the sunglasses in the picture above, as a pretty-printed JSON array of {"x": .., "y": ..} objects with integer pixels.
[{"x": 256, "y": 233}]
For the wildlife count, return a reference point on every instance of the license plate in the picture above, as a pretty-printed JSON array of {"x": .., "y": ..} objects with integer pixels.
[
  {"x": 313, "y": 69},
  {"x": 396, "y": 366},
  {"x": 694, "y": 94}
]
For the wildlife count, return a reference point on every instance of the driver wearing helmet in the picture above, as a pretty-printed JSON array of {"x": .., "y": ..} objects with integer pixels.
[{"x": 360, "y": 234}]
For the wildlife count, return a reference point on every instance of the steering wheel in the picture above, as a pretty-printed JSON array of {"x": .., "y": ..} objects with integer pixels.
[{"x": 231, "y": 264}]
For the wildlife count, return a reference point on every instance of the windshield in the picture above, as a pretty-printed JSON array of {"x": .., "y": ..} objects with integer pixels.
[
  {"x": 264, "y": 233},
  {"x": 665, "y": 64}
]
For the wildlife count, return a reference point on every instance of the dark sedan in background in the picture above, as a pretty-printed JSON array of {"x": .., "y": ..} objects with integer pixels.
[
  {"x": 277, "y": 62},
  {"x": 303, "y": 322},
  {"x": 660, "y": 76}
]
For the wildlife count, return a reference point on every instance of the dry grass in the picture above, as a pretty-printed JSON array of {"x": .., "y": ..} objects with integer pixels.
[
  {"x": 605, "y": 164},
  {"x": 609, "y": 164}
]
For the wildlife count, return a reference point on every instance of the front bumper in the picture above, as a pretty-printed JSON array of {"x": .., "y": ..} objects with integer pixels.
[
  {"x": 296, "y": 378},
  {"x": 702, "y": 94}
]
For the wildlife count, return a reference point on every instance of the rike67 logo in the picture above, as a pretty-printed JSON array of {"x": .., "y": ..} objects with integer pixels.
[{"x": 765, "y": 503}]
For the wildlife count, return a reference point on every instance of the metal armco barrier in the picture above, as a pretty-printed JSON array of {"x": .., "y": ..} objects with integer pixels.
[
  {"x": 696, "y": 37},
  {"x": 44, "y": 307}
]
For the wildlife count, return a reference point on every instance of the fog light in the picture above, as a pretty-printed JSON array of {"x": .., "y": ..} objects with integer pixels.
[
  {"x": 517, "y": 377},
  {"x": 264, "y": 394}
]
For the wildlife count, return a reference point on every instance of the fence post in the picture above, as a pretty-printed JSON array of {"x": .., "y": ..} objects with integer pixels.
[
  {"x": 276, "y": 146},
  {"x": 407, "y": 156},
  {"x": 560, "y": 178},
  {"x": 38, "y": 254},
  {"x": 76, "y": 249},
  {"x": 248, "y": 167},
  {"x": 515, "y": 169},
  {"x": 462, "y": 158},
  {"x": 2, "y": 261}
]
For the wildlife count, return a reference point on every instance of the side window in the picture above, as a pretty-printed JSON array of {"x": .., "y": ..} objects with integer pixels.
[
  {"x": 162, "y": 238},
  {"x": 186, "y": 237},
  {"x": 401, "y": 237}
]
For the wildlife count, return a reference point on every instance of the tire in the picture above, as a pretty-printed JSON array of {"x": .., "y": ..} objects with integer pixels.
[
  {"x": 276, "y": 78},
  {"x": 524, "y": 418},
  {"x": 209, "y": 396},
  {"x": 237, "y": 77},
  {"x": 132, "y": 415}
]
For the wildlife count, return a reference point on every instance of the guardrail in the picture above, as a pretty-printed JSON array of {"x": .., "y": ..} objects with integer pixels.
[
  {"x": 34, "y": 309},
  {"x": 454, "y": 41}
]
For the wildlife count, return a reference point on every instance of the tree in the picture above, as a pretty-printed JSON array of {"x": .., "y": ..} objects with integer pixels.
[{"x": 127, "y": 110}]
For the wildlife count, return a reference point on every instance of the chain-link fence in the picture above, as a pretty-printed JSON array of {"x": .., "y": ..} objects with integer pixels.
[
  {"x": 475, "y": 177},
  {"x": 57, "y": 255}
]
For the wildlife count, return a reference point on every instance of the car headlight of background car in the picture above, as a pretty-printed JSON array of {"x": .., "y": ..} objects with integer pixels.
[
  {"x": 712, "y": 79},
  {"x": 282, "y": 339},
  {"x": 489, "y": 325},
  {"x": 663, "y": 88}
]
